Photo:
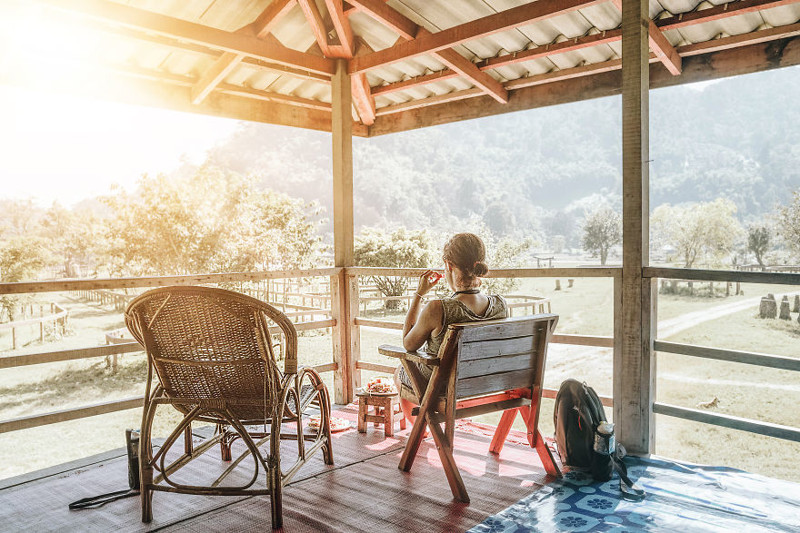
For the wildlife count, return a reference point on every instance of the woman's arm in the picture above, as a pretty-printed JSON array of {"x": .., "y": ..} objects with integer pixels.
[{"x": 418, "y": 326}]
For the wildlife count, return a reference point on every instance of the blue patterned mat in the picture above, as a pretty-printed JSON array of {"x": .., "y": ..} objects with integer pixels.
[{"x": 680, "y": 497}]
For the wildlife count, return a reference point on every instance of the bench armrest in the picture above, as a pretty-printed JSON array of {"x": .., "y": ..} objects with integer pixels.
[{"x": 401, "y": 353}]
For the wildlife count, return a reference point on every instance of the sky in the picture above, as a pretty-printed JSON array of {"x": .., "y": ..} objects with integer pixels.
[{"x": 61, "y": 148}]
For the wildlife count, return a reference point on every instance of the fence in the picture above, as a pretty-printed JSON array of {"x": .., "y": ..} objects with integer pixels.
[
  {"x": 57, "y": 316},
  {"x": 339, "y": 310}
]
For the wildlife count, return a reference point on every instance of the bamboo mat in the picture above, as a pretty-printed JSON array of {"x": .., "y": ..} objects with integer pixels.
[{"x": 363, "y": 491}]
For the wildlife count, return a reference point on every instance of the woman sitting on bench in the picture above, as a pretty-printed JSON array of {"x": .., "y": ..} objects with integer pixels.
[{"x": 464, "y": 263}]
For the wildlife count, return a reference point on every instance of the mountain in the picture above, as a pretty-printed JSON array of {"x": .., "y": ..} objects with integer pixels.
[{"x": 537, "y": 172}]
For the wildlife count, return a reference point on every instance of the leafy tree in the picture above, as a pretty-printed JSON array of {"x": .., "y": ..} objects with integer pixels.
[
  {"x": 74, "y": 237},
  {"x": 602, "y": 229},
  {"x": 213, "y": 220},
  {"x": 400, "y": 248},
  {"x": 789, "y": 223},
  {"x": 758, "y": 241},
  {"x": 20, "y": 260},
  {"x": 705, "y": 230}
]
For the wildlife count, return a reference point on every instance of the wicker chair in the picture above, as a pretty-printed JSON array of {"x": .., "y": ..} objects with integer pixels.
[{"x": 212, "y": 351}]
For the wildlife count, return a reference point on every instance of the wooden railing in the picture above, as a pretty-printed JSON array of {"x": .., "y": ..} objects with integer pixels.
[
  {"x": 346, "y": 321},
  {"x": 103, "y": 287},
  {"x": 356, "y": 321},
  {"x": 733, "y": 356},
  {"x": 344, "y": 300}
]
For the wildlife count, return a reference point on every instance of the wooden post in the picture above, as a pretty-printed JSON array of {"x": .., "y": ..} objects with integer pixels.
[
  {"x": 634, "y": 368},
  {"x": 341, "y": 135}
]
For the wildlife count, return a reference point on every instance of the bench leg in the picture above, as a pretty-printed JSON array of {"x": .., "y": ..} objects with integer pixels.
[{"x": 503, "y": 427}]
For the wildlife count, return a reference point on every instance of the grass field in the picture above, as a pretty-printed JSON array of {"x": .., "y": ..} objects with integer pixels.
[{"x": 586, "y": 308}]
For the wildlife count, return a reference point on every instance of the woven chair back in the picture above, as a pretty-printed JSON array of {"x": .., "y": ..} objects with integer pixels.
[{"x": 213, "y": 345}]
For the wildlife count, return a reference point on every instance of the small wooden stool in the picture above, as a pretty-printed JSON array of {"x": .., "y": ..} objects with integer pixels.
[{"x": 386, "y": 406}]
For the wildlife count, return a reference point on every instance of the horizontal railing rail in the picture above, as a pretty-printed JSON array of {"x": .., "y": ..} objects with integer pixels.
[
  {"x": 733, "y": 356},
  {"x": 157, "y": 281},
  {"x": 729, "y": 421},
  {"x": 777, "y": 278}
]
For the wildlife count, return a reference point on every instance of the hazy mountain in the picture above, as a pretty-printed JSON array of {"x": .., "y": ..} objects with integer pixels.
[{"x": 538, "y": 171}]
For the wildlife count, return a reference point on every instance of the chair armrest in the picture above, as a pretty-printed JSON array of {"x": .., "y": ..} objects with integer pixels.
[{"x": 401, "y": 353}]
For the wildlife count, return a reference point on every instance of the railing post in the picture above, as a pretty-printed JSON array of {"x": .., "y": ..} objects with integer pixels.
[
  {"x": 634, "y": 364},
  {"x": 346, "y": 338}
]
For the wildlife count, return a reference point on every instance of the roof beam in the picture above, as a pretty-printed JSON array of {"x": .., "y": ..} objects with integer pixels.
[
  {"x": 724, "y": 63},
  {"x": 571, "y": 45},
  {"x": 659, "y": 45},
  {"x": 721, "y": 11},
  {"x": 342, "y": 26},
  {"x": 498, "y": 22},
  {"x": 270, "y": 17},
  {"x": 361, "y": 92},
  {"x": 228, "y": 60},
  {"x": 455, "y": 61},
  {"x": 238, "y": 43}
]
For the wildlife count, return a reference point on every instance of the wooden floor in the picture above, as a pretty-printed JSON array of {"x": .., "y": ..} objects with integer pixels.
[{"x": 363, "y": 491}]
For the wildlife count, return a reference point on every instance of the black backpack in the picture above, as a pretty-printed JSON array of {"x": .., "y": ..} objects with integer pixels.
[{"x": 585, "y": 439}]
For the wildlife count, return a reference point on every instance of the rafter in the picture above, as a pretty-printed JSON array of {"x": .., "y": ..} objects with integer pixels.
[
  {"x": 452, "y": 59},
  {"x": 659, "y": 45},
  {"x": 166, "y": 26},
  {"x": 269, "y": 18},
  {"x": 498, "y": 22},
  {"x": 729, "y": 56},
  {"x": 722, "y": 11},
  {"x": 342, "y": 26},
  {"x": 719, "y": 12},
  {"x": 571, "y": 45},
  {"x": 361, "y": 93}
]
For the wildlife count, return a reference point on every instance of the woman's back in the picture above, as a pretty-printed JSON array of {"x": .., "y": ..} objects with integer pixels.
[{"x": 455, "y": 311}]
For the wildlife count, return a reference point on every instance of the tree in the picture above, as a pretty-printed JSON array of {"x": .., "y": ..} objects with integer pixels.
[
  {"x": 75, "y": 237},
  {"x": 211, "y": 221},
  {"x": 758, "y": 241},
  {"x": 705, "y": 230},
  {"x": 20, "y": 260},
  {"x": 401, "y": 248},
  {"x": 602, "y": 229},
  {"x": 789, "y": 223}
]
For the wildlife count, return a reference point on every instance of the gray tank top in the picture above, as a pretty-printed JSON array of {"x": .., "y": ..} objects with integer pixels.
[{"x": 455, "y": 312}]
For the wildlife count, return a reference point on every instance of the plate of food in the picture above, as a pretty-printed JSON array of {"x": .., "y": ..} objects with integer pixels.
[
  {"x": 337, "y": 424},
  {"x": 379, "y": 387}
]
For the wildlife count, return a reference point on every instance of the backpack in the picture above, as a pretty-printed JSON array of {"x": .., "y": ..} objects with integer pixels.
[{"x": 585, "y": 439}]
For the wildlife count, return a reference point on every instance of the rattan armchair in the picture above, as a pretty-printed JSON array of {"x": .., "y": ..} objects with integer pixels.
[{"x": 212, "y": 352}]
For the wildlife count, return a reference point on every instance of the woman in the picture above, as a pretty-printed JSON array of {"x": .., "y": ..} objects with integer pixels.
[{"x": 464, "y": 263}]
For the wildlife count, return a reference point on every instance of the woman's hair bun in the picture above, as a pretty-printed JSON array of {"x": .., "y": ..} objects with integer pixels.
[{"x": 480, "y": 269}]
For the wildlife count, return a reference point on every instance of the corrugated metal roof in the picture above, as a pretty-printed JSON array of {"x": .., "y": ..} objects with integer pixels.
[{"x": 190, "y": 61}]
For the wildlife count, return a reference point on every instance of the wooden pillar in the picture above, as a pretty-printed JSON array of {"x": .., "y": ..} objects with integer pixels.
[
  {"x": 341, "y": 134},
  {"x": 634, "y": 361}
]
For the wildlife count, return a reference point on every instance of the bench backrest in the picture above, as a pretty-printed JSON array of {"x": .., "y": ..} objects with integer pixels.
[{"x": 498, "y": 355}]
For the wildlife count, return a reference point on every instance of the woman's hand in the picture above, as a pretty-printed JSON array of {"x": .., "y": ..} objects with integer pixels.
[{"x": 427, "y": 281}]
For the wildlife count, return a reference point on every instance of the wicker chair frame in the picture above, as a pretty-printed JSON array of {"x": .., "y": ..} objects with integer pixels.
[{"x": 212, "y": 352}]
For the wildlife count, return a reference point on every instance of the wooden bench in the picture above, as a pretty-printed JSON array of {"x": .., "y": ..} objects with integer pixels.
[{"x": 481, "y": 367}]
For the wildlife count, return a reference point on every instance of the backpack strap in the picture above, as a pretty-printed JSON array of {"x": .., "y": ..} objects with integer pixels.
[
  {"x": 99, "y": 501},
  {"x": 629, "y": 489}
]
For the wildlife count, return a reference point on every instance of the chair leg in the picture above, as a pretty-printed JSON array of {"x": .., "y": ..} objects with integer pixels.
[
  {"x": 224, "y": 442},
  {"x": 146, "y": 463},
  {"x": 276, "y": 498},
  {"x": 445, "y": 450},
  {"x": 536, "y": 441},
  {"x": 188, "y": 444},
  {"x": 503, "y": 427}
]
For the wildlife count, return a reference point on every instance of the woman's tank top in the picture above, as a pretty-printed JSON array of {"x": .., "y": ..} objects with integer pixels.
[{"x": 455, "y": 312}]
